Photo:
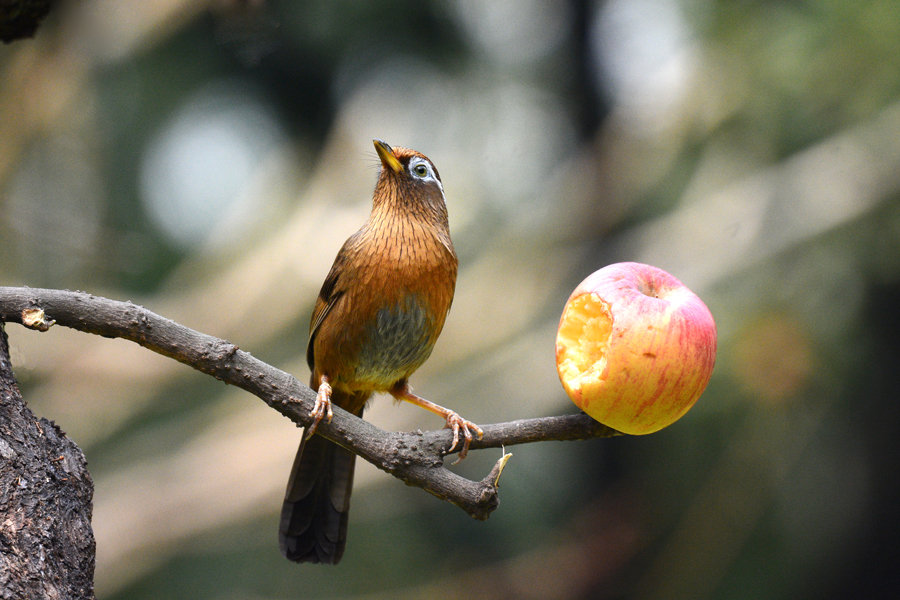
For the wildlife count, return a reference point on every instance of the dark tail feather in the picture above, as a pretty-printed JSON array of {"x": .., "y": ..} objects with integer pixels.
[{"x": 313, "y": 525}]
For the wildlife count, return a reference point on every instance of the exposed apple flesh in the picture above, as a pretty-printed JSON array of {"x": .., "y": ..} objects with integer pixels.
[{"x": 635, "y": 347}]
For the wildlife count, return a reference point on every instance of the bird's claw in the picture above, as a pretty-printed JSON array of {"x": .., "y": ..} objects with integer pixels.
[
  {"x": 321, "y": 409},
  {"x": 456, "y": 423}
]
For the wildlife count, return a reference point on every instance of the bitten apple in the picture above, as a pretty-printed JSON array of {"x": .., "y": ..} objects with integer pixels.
[{"x": 635, "y": 347}]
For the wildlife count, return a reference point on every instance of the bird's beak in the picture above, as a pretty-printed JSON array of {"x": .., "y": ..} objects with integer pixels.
[{"x": 386, "y": 154}]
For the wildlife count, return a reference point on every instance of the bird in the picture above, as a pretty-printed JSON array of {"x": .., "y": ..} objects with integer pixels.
[{"x": 378, "y": 315}]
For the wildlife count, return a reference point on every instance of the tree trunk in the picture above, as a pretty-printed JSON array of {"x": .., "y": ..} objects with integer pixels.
[{"x": 46, "y": 541}]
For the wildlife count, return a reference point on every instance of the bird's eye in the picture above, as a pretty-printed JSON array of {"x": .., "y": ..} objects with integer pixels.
[{"x": 421, "y": 170}]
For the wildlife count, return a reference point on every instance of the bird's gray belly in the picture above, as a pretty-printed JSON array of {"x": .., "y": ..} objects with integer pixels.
[{"x": 396, "y": 343}]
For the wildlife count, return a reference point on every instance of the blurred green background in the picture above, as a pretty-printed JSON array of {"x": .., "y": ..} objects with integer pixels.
[{"x": 207, "y": 160}]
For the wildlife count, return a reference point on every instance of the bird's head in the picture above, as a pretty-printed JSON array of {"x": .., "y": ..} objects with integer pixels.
[{"x": 408, "y": 179}]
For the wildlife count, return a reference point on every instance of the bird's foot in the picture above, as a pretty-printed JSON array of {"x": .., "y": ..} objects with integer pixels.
[
  {"x": 456, "y": 424},
  {"x": 322, "y": 408},
  {"x": 402, "y": 391}
]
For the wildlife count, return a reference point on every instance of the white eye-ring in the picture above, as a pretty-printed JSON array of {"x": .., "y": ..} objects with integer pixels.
[{"x": 421, "y": 169}]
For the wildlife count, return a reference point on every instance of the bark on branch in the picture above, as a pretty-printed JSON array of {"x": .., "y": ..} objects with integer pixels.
[
  {"x": 46, "y": 541},
  {"x": 414, "y": 457}
]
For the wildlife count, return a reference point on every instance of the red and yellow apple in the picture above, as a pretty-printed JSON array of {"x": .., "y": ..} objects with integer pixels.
[{"x": 635, "y": 347}]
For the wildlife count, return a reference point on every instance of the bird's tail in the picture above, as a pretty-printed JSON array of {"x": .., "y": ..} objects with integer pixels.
[{"x": 313, "y": 526}]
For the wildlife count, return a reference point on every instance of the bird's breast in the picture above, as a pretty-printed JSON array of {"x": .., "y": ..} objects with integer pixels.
[
  {"x": 396, "y": 288},
  {"x": 395, "y": 342}
]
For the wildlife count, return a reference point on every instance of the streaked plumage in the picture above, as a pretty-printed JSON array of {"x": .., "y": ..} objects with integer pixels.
[{"x": 376, "y": 320}]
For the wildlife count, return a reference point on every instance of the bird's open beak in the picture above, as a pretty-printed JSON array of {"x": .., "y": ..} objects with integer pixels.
[{"x": 386, "y": 154}]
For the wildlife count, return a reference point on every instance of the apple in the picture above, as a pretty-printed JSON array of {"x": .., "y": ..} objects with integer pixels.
[{"x": 635, "y": 347}]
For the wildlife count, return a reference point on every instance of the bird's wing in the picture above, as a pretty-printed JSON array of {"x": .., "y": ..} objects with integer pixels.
[
  {"x": 339, "y": 278},
  {"x": 328, "y": 297}
]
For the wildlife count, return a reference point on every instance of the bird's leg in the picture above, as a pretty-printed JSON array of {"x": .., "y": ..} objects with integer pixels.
[
  {"x": 322, "y": 408},
  {"x": 402, "y": 391}
]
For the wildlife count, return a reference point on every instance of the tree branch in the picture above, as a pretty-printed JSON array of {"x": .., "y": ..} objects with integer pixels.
[
  {"x": 414, "y": 457},
  {"x": 20, "y": 18}
]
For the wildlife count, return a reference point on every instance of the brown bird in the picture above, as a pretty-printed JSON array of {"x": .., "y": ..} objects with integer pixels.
[{"x": 375, "y": 322}]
